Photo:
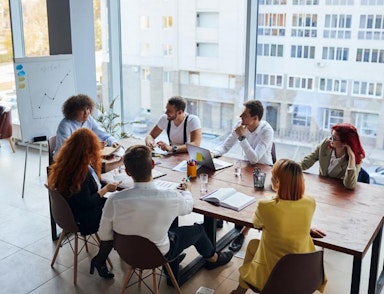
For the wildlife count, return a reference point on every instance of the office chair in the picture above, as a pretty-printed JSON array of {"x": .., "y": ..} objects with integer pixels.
[
  {"x": 363, "y": 176},
  {"x": 140, "y": 253},
  {"x": 6, "y": 126},
  {"x": 63, "y": 216},
  {"x": 298, "y": 273},
  {"x": 273, "y": 152}
]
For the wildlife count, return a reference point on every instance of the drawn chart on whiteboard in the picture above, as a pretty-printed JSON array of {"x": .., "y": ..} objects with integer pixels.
[{"x": 42, "y": 86}]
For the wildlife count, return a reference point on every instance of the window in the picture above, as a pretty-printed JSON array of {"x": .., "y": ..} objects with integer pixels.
[
  {"x": 304, "y": 25},
  {"x": 300, "y": 83},
  {"x": 366, "y": 123},
  {"x": 332, "y": 117},
  {"x": 335, "y": 53},
  {"x": 371, "y": 27},
  {"x": 167, "y": 22},
  {"x": 301, "y": 51},
  {"x": 271, "y": 24},
  {"x": 274, "y": 81},
  {"x": 194, "y": 78},
  {"x": 301, "y": 115},
  {"x": 333, "y": 85},
  {"x": 372, "y": 2},
  {"x": 145, "y": 49},
  {"x": 167, "y": 77},
  {"x": 35, "y": 28},
  {"x": 305, "y": 2},
  {"x": 167, "y": 50},
  {"x": 370, "y": 55},
  {"x": 144, "y": 22},
  {"x": 207, "y": 50},
  {"x": 337, "y": 26},
  {"x": 273, "y": 2},
  {"x": 207, "y": 19},
  {"x": 339, "y": 2},
  {"x": 145, "y": 74},
  {"x": 269, "y": 50},
  {"x": 368, "y": 89}
]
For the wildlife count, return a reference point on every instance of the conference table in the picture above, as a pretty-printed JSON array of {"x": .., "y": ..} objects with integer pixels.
[{"x": 352, "y": 219}]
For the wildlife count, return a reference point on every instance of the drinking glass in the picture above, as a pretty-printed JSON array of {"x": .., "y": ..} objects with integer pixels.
[
  {"x": 203, "y": 183},
  {"x": 237, "y": 165}
]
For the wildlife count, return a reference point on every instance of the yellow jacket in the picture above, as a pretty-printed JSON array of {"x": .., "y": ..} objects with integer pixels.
[{"x": 286, "y": 228}]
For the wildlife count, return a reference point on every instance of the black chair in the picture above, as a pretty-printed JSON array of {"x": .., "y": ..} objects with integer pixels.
[
  {"x": 273, "y": 152},
  {"x": 363, "y": 176}
]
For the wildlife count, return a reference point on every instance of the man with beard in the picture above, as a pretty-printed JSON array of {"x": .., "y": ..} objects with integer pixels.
[{"x": 181, "y": 128}]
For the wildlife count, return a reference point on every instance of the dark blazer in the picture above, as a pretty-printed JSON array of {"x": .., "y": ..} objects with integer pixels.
[
  {"x": 323, "y": 154},
  {"x": 87, "y": 206}
]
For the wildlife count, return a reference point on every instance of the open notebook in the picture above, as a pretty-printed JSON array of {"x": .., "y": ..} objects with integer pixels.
[{"x": 229, "y": 198}]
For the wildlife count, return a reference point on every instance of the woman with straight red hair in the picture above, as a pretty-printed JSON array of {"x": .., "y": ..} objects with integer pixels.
[
  {"x": 286, "y": 224},
  {"x": 75, "y": 173},
  {"x": 339, "y": 156}
]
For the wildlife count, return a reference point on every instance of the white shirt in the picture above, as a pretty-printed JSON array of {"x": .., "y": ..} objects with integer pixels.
[
  {"x": 145, "y": 211},
  {"x": 177, "y": 132},
  {"x": 256, "y": 146},
  {"x": 334, "y": 161}
]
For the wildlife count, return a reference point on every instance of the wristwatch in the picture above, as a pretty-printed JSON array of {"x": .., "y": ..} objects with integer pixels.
[
  {"x": 240, "y": 138},
  {"x": 174, "y": 148}
]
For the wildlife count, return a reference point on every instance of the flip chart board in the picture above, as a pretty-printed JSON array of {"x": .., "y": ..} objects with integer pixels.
[{"x": 42, "y": 86}]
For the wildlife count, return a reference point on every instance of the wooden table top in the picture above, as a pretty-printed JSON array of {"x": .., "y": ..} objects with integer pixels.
[{"x": 350, "y": 218}]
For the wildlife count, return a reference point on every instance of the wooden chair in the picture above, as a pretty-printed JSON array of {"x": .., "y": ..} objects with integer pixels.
[
  {"x": 51, "y": 148},
  {"x": 63, "y": 216},
  {"x": 140, "y": 253},
  {"x": 299, "y": 273},
  {"x": 6, "y": 126}
]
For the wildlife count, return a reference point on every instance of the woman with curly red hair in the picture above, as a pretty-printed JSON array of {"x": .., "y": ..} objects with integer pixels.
[
  {"x": 339, "y": 156},
  {"x": 75, "y": 173}
]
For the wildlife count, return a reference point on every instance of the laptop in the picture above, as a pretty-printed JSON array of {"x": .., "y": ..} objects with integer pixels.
[{"x": 204, "y": 158}]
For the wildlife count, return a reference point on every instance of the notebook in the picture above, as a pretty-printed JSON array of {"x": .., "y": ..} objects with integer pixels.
[{"x": 204, "y": 158}]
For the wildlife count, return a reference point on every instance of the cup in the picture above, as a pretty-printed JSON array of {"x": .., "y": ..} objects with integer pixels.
[
  {"x": 203, "y": 183},
  {"x": 237, "y": 165},
  {"x": 191, "y": 171}
]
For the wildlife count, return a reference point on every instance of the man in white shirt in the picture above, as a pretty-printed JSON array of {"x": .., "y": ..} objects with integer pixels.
[
  {"x": 149, "y": 212},
  {"x": 181, "y": 128},
  {"x": 255, "y": 138}
]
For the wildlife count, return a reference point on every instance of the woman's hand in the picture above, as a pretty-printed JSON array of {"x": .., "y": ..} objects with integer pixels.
[{"x": 315, "y": 233}]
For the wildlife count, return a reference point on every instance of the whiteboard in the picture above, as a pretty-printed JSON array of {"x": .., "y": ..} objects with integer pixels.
[{"x": 42, "y": 86}]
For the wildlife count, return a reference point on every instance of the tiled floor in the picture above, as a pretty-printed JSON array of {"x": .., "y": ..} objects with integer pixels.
[{"x": 26, "y": 248}]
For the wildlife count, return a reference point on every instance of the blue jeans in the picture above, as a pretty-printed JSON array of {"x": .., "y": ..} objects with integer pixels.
[{"x": 182, "y": 237}]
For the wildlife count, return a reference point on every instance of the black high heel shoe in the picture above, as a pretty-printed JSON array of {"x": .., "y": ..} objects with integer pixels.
[{"x": 101, "y": 269}]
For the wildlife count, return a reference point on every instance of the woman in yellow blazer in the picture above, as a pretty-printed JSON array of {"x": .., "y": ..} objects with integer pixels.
[
  {"x": 339, "y": 156},
  {"x": 286, "y": 224}
]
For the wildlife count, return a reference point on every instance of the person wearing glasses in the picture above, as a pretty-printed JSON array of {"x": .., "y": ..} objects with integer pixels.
[{"x": 339, "y": 156}]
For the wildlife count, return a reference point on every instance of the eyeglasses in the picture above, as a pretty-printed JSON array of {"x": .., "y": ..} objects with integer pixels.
[{"x": 333, "y": 138}]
